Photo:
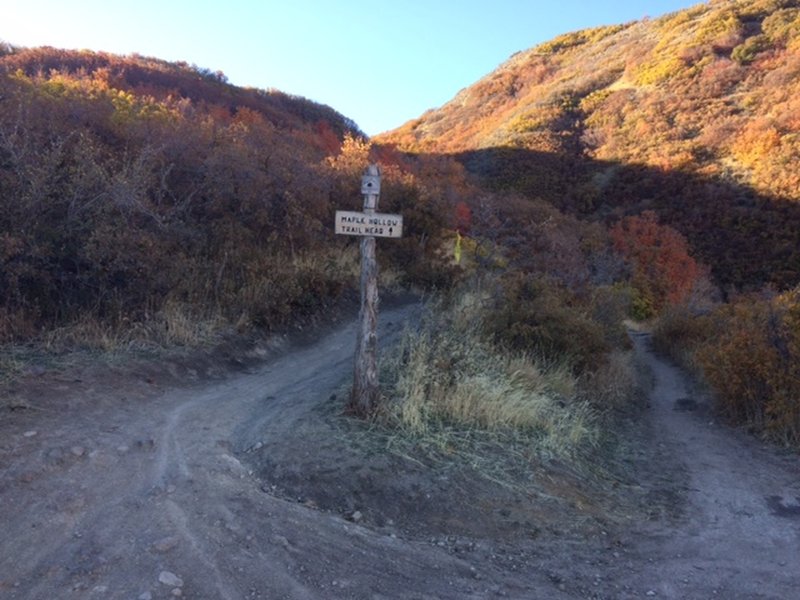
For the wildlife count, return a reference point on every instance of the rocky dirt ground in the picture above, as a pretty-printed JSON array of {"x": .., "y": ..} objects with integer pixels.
[{"x": 236, "y": 477}]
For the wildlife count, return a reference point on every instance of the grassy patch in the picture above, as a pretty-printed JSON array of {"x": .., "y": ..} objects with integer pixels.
[{"x": 447, "y": 383}]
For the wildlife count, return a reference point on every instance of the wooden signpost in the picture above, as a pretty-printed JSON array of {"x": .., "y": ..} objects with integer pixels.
[{"x": 368, "y": 225}]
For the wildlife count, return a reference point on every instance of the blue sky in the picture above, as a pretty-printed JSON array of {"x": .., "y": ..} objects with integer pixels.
[{"x": 379, "y": 63}]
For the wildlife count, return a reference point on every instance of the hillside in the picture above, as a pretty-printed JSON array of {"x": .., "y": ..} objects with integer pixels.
[
  {"x": 163, "y": 81},
  {"x": 693, "y": 114},
  {"x": 155, "y": 198}
]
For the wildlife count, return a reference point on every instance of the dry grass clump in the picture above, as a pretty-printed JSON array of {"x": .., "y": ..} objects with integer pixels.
[
  {"x": 446, "y": 381},
  {"x": 615, "y": 385},
  {"x": 11, "y": 364},
  {"x": 267, "y": 293},
  {"x": 174, "y": 325}
]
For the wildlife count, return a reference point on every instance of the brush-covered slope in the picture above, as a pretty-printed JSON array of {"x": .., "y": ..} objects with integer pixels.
[
  {"x": 163, "y": 81},
  {"x": 136, "y": 193},
  {"x": 695, "y": 114}
]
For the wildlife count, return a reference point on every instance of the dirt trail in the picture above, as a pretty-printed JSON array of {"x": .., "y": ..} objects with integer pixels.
[
  {"x": 124, "y": 489},
  {"x": 739, "y": 534},
  {"x": 109, "y": 496}
]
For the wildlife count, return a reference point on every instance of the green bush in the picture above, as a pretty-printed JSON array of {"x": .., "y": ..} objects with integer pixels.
[{"x": 746, "y": 52}]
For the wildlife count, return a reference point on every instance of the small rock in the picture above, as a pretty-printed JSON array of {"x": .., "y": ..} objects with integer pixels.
[
  {"x": 30, "y": 433},
  {"x": 279, "y": 540},
  {"x": 651, "y": 593},
  {"x": 145, "y": 596},
  {"x": 78, "y": 450},
  {"x": 35, "y": 370},
  {"x": 122, "y": 449},
  {"x": 357, "y": 516},
  {"x": 100, "y": 589},
  {"x": 170, "y": 579},
  {"x": 165, "y": 544},
  {"x": 171, "y": 489},
  {"x": 177, "y": 592},
  {"x": 146, "y": 444},
  {"x": 55, "y": 455}
]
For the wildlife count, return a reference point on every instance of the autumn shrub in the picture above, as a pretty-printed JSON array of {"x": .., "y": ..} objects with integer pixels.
[
  {"x": 678, "y": 333},
  {"x": 752, "y": 363},
  {"x": 529, "y": 314},
  {"x": 746, "y": 52},
  {"x": 270, "y": 291},
  {"x": 664, "y": 271},
  {"x": 118, "y": 207}
]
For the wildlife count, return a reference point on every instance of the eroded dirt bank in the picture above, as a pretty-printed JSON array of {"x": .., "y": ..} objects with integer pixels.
[{"x": 203, "y": 486}]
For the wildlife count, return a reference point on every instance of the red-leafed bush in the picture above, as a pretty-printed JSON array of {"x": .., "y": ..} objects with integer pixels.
[{"x": 664, "y": 272}]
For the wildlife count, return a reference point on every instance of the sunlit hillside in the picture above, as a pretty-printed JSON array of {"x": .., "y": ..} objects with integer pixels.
[{"x": 694, "y": 114}]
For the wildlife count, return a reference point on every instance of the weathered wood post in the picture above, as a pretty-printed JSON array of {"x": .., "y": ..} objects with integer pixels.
[
  {"x": 366, "y": 390},
  {"x": 368, "y": 225}
]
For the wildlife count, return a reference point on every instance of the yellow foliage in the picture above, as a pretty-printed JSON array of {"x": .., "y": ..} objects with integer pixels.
[
  {"x": 782, "y": 26},
  {"x": 589, "y": 103},
  {"x": 535, "y": 119},
  {"x": 578, "y": 38},
  {"x": 718, "y": 24},
  {"x": 659, "y": 70},
  {"x": 353, "y": 156}
]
